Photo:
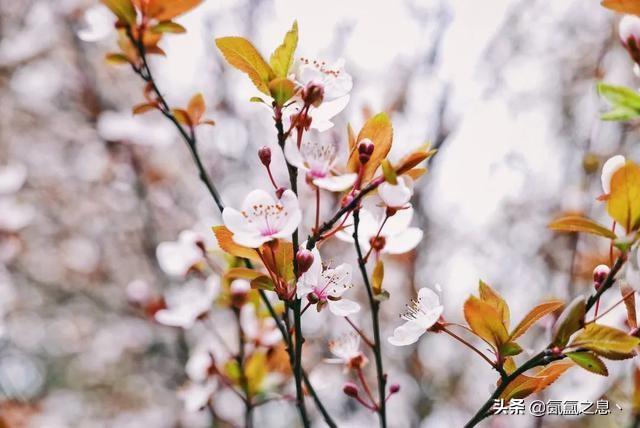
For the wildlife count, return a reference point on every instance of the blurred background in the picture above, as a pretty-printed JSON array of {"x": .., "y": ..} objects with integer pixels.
[{"x": 505, "y": 89}]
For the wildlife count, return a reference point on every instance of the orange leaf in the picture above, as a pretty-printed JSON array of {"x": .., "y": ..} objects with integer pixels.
[
  {"x": 379, "y": 130},
  {"x": 143, "y": 108},
  {"x": 413, "y": 159},
  {"x": 623, "y": 204},
  {"x": 164, "y": 10},
  {"x": 228, "y": 245},
  {"x": 525, "y": 385},
  {"x": 196, "y": 108},
  {"x": 182, "y": 116},
  {"x": 629, "y": 296},
  {"x": 490, "y": 296},
  {"x": 534, "y": 315},
  {"x": 623, "y": 6},
  {"x": 485, "y": 321}
]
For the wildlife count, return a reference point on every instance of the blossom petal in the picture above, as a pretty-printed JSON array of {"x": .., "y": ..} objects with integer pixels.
[
  {"x": 397, "y": 195},
  {"x": 250, "y": 240},
  {"x": 406, "y": 334},
  {"x": 343, "y": 307},
  {"x": 399, "y": 222},
  {"x": 336, "y": 183},
  {"x": 403, "y": 242},
  {"x": 293, "y": 155},
  {"x": 428, "y": 298}
]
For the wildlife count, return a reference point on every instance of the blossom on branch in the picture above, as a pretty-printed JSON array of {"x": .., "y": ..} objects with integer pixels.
[
  {"x": 317, "y": 160},
  {"x": 391, "y": 235},
  {"x": 325, "y": 286},
  {"x": 263, "y": 218},
  {"x": 188, "y": 303},
  {"x": 422, "y": 313},
  {"x": 396, "y": 195}
]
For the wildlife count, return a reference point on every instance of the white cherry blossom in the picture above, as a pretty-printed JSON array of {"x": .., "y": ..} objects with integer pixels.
[
  {"x": 395, "y": 237},
  {"x": 188, "y": 303},
  {"x": 346, "y": 350},
  {"x": 196, "y": 396},
  {"x": 328, "y": 285},
  {"x": 177, "y": 257},
  {"x": 396, "y": 195},
  {"x": 422, "y": 313},
  {"x": 336, "y": 84},
  {"x": 629, "y": 28},
  {"x": 263, "y": 218},
  {"x": 317, "y": 159}
]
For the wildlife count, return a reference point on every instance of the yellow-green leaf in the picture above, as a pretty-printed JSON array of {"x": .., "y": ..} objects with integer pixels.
[
  {"x": 389, "y": 173},
  {"x": 256, "y": 371},
  {"x": 116, "y": 59},
  {"x": 377, "y": 277},
  {"x": 123, "y": 9},
  {"x": 282, "y": 58},
  {"x": 510, "y": 349},
  {"x": 490, "y": 296},
  {"x": 534, "y": 315},
  {"x": 589, "y": 361},
  {"x": 605, "y": 341},
  {"x": 242, "y": 273},
  {"x": 379, "y": 130},
  {"x": 576, "y": 223},
  {"x": 228, "y": 245},
  {"x": 263, "y": 282},
  {"x": 281, "y": 89},
  {"x": 485, "y": 321},
  {"x": 168, "y": 27},
  {"x": 570, "y": 321},
  {"x": 623, "y": 203},
  {"x": 241, "y": 54}
]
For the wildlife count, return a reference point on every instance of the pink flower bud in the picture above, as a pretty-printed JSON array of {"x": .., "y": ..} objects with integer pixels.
[
  {"x": 365, "y": 149},
  {"x": 304, "y": 258},
  {"x": 600, "y": 274},
  {"x": 351, "y": 389},
  {"x": 394, "y": 388},
  {"x": 265, "y": 155}
]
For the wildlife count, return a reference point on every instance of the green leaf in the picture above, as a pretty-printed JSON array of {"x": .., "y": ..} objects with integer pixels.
[
  {"x": 570, "y": 321},
  {"x": 123, "y": 9},
  {"x": 619, "y": 95},
  {"x": 605, "y": 341},
  {"x": 510, "y": 349},
  {"x": 242, "y": 273},
  {"x": 377, "y": 277},
  {"x": 620, "y": 114},
  {"x": 389, "y": 173},
  {"x": 576, "y": 223},
  {"x": 589, "y": 361},
  {"x": 534, "y": 315},
  {"x": 282, "y": 58},
  {"x": 263, "y": 282},
  {"x": 168, "y": 27},
  {"x": 241, "y": 54},
  {"x": 281, "y": 90}
]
